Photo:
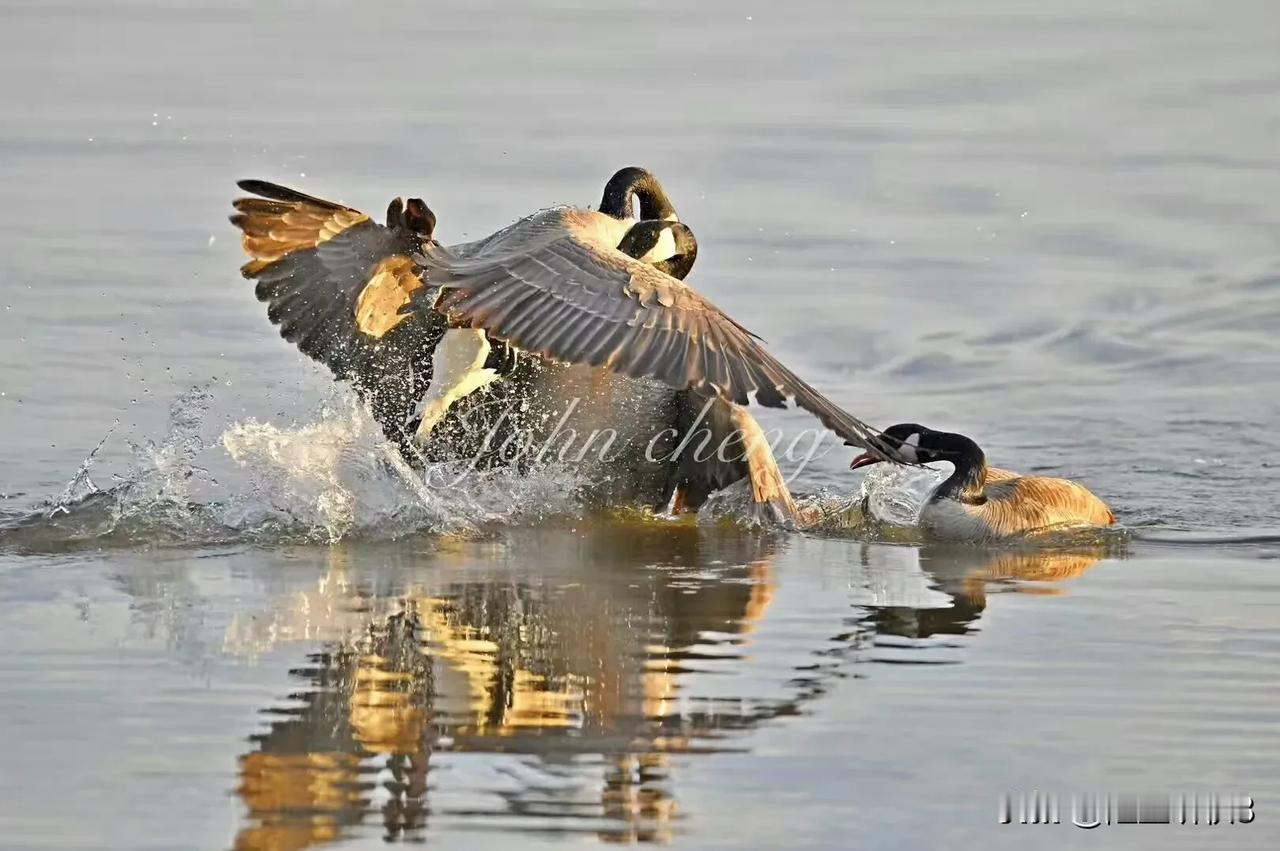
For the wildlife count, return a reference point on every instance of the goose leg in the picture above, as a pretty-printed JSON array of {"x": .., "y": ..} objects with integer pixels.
[{"x": 458, "y": 370}]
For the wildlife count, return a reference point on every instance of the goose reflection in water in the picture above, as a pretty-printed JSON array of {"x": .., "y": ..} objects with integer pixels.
[
  {"x": 967, "y": 575},
  {"x": 586, "y": 687}
]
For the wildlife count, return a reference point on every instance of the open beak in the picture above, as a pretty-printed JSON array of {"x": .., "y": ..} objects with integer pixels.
[{"x": 866, "y": 459}]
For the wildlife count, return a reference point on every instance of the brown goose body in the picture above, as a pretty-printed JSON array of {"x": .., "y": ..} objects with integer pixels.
[
  {"x": 1015, "y": 506},
  {"x": 616, "y": 344},
  {"x": 980, "y": 503}
]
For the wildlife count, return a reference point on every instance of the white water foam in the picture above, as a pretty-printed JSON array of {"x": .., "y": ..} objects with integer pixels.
[
  {"x": 341, "y": 475},
  {"x": 331, "y": 478},
  {"x": 335, "y": 477}
]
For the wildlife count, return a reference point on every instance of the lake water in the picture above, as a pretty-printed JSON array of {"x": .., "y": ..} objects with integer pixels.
[{"x": 1055, "y": 230}]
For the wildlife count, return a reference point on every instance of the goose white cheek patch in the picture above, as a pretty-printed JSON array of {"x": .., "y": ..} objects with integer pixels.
[
  {"x": 665, "y": 248},
  {"x": 908, "y": 448}
]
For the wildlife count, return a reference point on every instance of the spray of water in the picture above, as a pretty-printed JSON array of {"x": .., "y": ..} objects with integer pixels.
[
  {"x": 336, "y": 477},
  {"x": 895, "y": 495},
  {"x": 331, "y": 478}
]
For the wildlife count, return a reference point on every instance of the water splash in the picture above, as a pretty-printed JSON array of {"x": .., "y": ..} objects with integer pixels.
[
  {"x": 336, "y": 477},
  {"x": 331, "y": 475},
  {"x": 340, "y": 475},
  {"x": 150, "y": 502},
  {"x": 332, "y": 478},
  {"x": 81, "y": 486},
  {"x": 890, "y": 496},
  {"x": 895, "y": 495},
  {"x": 162, "y": 473}
]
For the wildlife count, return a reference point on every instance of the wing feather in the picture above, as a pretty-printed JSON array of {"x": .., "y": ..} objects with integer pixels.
[
  {"x": 728, "y": 445},
  {"x": 611, "y": 300},
  {"x": 334, "y": 282}
]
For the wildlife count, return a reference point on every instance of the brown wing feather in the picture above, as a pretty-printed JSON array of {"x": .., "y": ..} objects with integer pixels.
[
  {"x": 770, "y": 495},
  {"x": 549, "y": 286},
  {"x": 723, "y": 443},
  {"x": 1028, "y": 503},
  {"x": 336, "y": 283}
]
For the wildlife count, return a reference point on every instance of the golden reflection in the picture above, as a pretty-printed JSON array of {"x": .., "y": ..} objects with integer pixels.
[
  {"x": 567, "y": 662},
  {"x": 297, "y": 800},
  {"x": 578, "y": 664},
  {"x": 635, "y": 793},
  {"x": 311, "y": 776},
  {"x": 1040, "y": 567},
  {"x": 960, "y": 578}
]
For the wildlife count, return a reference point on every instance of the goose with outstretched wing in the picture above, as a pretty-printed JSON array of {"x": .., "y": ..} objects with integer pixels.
[
  {"x": 596, "y": 298},
  {"x": 562, "y": 284}
]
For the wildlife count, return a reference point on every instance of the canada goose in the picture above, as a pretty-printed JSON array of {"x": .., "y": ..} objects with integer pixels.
[
  {"x": 555, "y": 284},
  {"x": 418, "y": 327},
  {"x": 978, "y": 502},
  {"x": 335, "y": 282}
]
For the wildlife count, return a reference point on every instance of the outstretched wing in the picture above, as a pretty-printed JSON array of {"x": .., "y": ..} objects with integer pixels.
[
  {"x": 335, "y": 282},
  {"x": 551, "y": 286}
]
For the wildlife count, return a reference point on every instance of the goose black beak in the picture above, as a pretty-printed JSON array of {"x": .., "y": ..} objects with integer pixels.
[{"x": 866, "y": 459}]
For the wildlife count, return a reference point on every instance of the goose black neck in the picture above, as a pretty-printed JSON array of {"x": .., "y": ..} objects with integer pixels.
[
  {"x": 632, "y": 183},
  {"x": 677, "y": 267},
  {"x": 966, "y": 482}
]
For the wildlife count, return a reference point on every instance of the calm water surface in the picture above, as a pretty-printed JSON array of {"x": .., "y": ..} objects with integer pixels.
[{"x": 1058, "y": 231}]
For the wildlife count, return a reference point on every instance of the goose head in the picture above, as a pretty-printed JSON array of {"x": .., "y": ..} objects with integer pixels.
[
  {"x": 414, "y": 216},
  {"x": 631, "y": 184},
  {"x": 917, "y": 444},
  {"x": 669, "y": 247}
]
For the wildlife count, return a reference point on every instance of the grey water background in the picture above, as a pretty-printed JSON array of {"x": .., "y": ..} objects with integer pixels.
[{"x": 1054, "y": 229}]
